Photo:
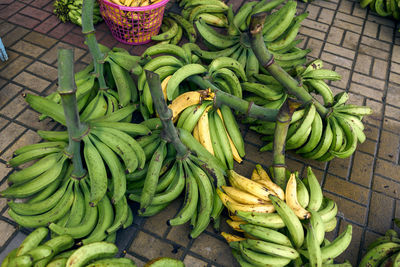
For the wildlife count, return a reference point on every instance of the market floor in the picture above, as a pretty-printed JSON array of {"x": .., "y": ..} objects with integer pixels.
[{"x": 362, "y": 47}]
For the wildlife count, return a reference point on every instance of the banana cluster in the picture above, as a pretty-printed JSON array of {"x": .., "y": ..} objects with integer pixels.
[
  {"x": 92, "y": 101},
  {"x": 383, "y": 8},
  {"x": 311, "y": 135},
  {"x": 35, "y": 250},
  {"x": 280, "y": 31},
  {"x": 59, "y": 251},
  {"x": 279, "y": 226},
  {"x": 173, "y": 28},
  {"x": 175, "y": 25},
  {"x": 211, "y": 12},
  {"x": 92, "y": 207},
  {"x": 177, "y": 64},
  {"x": 71, "y": 10},
  {"x": 215, "y": 129},
  {"x": 166, "y": 176},
  {"x": 384, "y": 251}
]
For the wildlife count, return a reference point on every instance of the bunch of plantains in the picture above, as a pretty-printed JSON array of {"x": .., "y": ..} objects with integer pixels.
[
  {"x": 173, "y": 167},
  {"x": 383, "y": 8},
  {"x": 211, "y": 12},
  {"x": 71, "y": 10},
  {"x": 77, "y": 185},
  {"x": 175, "y": 25},
  {"x": 308, "y": 134},
  {"x": 177, "y": 66},
  {"x": 61, "y": 251},
  {"x": 320, "y": 131},
  {"x": 284, "y": 220},
  {"x": 80, "y": 192},
  {"x": 279, "y": 36},
  {"x": 215, "y": 128},
  {"x": 384, "y": 251}
]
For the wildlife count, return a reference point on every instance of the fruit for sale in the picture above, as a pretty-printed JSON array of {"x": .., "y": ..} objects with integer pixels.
[
  {"x": 280, "y": 32},
  {"x": 71, "y": 10},
  {"x": 294, "y": 230}
]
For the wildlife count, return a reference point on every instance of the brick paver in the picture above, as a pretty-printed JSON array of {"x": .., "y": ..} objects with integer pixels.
[{"x": 363, "y": 47}]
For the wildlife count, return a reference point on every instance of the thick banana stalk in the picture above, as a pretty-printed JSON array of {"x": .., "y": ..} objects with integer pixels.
[
  {"x": 67, "y": 91},
  {"x": 266, "y": 60},
  {"x": 282, "y": 125}
]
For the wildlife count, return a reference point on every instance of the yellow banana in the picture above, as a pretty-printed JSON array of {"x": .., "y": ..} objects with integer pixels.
[
  {"x": 235, "y": 153},
  {"x": 234, "y": 217},
  {"x": 164, "y": 86},
  {"x": 196, "y": 132},
  {"x": 183, "y": 101},
  {"x": 204, "y": 131},
  {"x": 241, "y": 196},
  {"x": 291, "y": 199},
  {"x": 235, "y": 225},
  {"x": 250, "y": 186},
  {"x": 233, "y": 206},
  {"x": 255, "y": 176},
  {"x": 268, "y": 182},
  {"x": 231, "y": 238}
]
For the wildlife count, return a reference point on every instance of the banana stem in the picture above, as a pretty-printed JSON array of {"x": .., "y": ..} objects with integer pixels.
[
  {"x": 282, "y": 125},
  {"x": 67, "y": 91},
  {"x": 89, "y": 32},
  {"x": 266, "y": 59},
  {"x": 236, "y": 103},
  {"x": 170, "y": 134}
]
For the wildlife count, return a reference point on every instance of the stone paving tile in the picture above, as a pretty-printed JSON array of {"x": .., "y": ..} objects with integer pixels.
[
  {"x": 193, "y": 261},
  {"x": 214, "y": 249},
  {"x": 151, "y": 247},
  {"x": 381, "y": 207},
  {"x": 7, "y": 230},
  {"x": 351, "y": 40}
]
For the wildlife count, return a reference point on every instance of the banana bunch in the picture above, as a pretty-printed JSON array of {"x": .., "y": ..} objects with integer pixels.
[
  {"x": 280, "y": 31},
  {"x": 94, "y": 102},
  {"x": 92, "y": 207},
  {"x": 215, "y": 129},
  {"x": 165, "y": 177},
  {"x": 279, "y": 226},
  {"x": 384, "y": 251},
  {"x": 309, "y": 134},
  {"x": 71, "y": 10},
  {"x": 211, "y": 12},
  {"x": 264, "y": 91},
  {"x": 312, "y": 78},
  {"x": 59, "y": 251},
  {"x": 177, "y": 64},
  {"x": 173, "y": 27},
  {"x": 383, "y": 8}
]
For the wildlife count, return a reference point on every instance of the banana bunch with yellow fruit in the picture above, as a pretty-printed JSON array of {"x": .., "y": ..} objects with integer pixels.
[
  {"x": 281, "y": 226},
  {"x": 177, "y": 65},
  {"x": 214, "y": 128}
]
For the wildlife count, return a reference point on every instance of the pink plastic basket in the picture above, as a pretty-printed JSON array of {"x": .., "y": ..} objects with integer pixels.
[{"x": 133, "y": 25}]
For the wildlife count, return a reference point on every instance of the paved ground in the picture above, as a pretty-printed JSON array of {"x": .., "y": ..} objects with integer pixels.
[{"x": 364, "y": 48}]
